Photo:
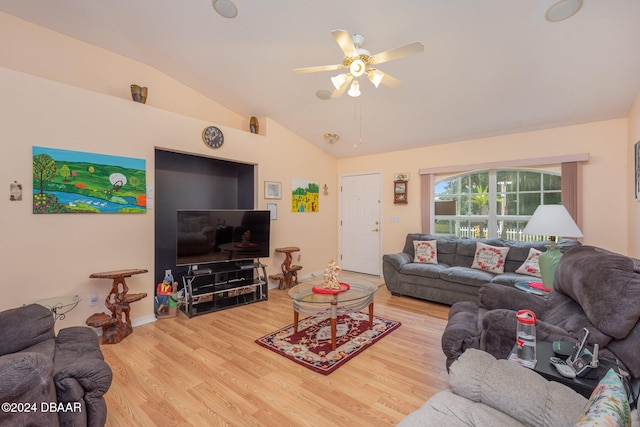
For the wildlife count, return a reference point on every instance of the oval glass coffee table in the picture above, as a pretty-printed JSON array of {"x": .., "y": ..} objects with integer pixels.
[{"x": 306, "y": 301}]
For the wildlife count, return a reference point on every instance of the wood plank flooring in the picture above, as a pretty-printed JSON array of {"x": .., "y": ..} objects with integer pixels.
[{"x": 208, "y": 371}]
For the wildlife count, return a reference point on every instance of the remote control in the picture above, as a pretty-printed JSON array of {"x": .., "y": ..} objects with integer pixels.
[{"x": 562, "y": 367}]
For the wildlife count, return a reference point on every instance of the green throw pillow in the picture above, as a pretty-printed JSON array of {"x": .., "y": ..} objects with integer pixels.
[{"x": 608, "y": 404}]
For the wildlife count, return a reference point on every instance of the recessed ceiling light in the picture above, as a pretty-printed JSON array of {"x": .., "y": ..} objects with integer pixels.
[
  {"x": 323, "y": 94},
  {"x": 225, "y": 8},
  {"x": 564, "y": 9}
]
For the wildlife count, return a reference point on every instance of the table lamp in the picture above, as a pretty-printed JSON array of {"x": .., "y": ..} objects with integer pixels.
[{"x": 552, "y": 221}]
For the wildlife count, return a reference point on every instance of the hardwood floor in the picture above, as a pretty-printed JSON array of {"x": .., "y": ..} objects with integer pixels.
[{"x": 208, "y": 371}]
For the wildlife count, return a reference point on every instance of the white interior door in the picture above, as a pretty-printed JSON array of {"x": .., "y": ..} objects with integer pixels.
[{"x": 360, "y": 215}]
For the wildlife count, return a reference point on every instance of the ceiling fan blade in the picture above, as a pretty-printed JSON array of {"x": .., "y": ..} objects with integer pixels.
[
  {"x": 344, "y": 41},
  {"x": 338, "y": 92},
  {"x": 397, "y": 53},
  {"x": 305, "y": 70},
  {"x": 390, "y": 81}
]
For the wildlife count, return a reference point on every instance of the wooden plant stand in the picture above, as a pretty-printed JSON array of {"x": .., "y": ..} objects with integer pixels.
[
  {"x": 289, "y": 276},
  {"x": 117, "y": 325}
]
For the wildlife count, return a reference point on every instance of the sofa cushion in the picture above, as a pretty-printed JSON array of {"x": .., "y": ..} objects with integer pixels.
[
  {"x": 608, "y": 404},
  {"x": 24, "y": 327},
  {"x": 426, "y": 251},
  {"x": 447, "y": 246},
  {"x": 489, "y": 258},
  {"x": 432, "y": 271},
  {"x": 447, "y": 409},
  {"x": 531, "y": 266},
  {"x": 606, "y": 285},
  {"x": 506, "y": 386},
  {"x": 466, "y": 276},
  {"x": 510, "y": 279}
]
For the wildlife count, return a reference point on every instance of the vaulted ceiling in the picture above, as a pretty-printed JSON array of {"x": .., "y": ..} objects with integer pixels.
[{"x": 489, "y": 67}]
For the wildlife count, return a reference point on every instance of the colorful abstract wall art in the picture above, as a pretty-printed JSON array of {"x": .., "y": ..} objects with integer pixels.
[
  {"x": 75, "y": 182},
  {"x": 305, "y": 196}
]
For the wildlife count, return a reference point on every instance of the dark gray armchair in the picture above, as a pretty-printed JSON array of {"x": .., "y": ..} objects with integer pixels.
[{"x": 66, "y": 372}]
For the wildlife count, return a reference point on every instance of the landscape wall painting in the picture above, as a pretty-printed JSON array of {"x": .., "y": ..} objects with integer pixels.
[
  {"x": 75, "y": 182},
  {"x": 305, "y": 196}
]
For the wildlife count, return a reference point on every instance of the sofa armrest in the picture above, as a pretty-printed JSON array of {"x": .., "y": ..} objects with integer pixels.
[
  {"x": 514, "y": 390},
  {"x": 27, "y": 378},
  {"x": 495, "y": 296},
  {"x": 397, "y": 260},
  {"x": 85, "y": 382},
  {"x": 499, "y": 332},
  {"x": 463, "y": 330},
  {"x": 86, "y": 377}
]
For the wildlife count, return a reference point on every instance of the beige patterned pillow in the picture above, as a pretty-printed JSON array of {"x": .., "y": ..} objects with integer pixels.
[
  {"x": 531, "y": 266},
  {"x": 489, "y": 258},
  {"x": 426, "y": 251}
]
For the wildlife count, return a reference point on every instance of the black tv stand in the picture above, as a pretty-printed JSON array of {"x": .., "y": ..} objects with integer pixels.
[{"x": 224, "y": 285}]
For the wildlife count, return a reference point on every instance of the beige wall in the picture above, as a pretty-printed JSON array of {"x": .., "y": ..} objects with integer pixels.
[
  {"x": 604, "y": 175},
  {"x": 51, "y": 255},
  {"x": 78, "y": 99},
  {"x": 59, "y": 92}
]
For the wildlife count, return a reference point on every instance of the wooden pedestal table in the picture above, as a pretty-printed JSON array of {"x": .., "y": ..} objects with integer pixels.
[
  {"x": 117, "y": 326},
  {"x": 289, "y": 276}
]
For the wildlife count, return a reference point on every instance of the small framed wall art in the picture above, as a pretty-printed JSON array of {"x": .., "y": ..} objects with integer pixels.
[
  {"x": 272, "y": 190},
  {"x": 273, "y": 210},
  {"x": 400, "y": 192}
]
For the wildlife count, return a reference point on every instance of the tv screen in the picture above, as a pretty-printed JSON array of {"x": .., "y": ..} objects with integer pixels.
[{"x": 211, "y": 236}]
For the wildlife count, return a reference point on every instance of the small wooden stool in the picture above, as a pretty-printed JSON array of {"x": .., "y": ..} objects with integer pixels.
[{"x": 289, "y": 272}]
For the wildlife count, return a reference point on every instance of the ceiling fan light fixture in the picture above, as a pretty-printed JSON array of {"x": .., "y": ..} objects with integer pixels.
[
  {"x": 338, "y": 80},
  {"x": 225, "y": 8},
  {"x": 563, "y": 9},
  {"x": 354, "y": 90},
  {"x": 375, "y": 77},
  {"x": 357, "y": 68}
]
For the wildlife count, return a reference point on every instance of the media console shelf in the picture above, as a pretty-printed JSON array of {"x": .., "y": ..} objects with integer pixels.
[{"x": 223, "y": 286}]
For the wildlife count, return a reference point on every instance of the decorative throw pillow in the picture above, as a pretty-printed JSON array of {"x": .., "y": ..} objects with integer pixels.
[
  {"x": 608, "y": 404},
  {"x": 489, "y": 258},
  {"x": 530, "y": 266},
  {"x": 426, "y": 251}
]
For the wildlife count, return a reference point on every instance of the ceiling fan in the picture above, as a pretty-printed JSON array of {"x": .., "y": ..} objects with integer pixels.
[{"x": 360, "y": 62}]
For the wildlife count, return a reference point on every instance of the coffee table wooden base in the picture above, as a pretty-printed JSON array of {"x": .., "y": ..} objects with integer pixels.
[{"x": 333, "y": 312}]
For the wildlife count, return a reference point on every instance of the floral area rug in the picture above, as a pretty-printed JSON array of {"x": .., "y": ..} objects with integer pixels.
[{"x": 311, "y": 345}]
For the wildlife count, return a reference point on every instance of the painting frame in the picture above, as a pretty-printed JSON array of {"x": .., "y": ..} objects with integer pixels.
[
  {"x": 272, "y": 190},
  {"x": 72, "y": 182},
  {"x": 273, "y": 211}
]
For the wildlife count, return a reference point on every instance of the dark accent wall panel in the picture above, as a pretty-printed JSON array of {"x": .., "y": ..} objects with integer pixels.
[{"x": 185, "y": 181}]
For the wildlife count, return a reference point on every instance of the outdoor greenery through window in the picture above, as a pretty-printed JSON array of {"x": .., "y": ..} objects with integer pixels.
[{"x": 493, "y": 203}]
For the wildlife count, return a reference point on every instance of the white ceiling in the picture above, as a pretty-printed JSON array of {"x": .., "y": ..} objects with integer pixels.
[{"x": 489, "y": 67}]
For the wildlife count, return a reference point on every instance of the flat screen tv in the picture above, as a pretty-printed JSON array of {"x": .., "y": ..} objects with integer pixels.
[{"x": 212, "y": 236}]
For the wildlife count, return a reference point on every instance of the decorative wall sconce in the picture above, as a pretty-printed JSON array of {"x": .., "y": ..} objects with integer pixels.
[
  {"x": 254, "y": 126},
  {"x": 139, "y": 94}
]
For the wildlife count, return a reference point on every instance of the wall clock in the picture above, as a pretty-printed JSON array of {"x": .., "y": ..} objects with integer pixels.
[
  {"x": 400, "y": 192},
  {"x": 212, "y": 137}
]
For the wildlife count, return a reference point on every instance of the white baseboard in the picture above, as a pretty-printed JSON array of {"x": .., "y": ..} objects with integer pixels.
[{"x": 138, "y": 321}]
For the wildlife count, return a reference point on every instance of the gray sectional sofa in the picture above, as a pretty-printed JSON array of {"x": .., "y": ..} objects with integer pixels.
[{"x": 452, "y": 279}]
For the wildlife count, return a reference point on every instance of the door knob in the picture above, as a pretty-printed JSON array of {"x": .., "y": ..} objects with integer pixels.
[{"x": 375, "y": 229}]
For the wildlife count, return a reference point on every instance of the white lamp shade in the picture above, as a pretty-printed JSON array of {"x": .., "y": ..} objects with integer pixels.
[
  {"x": 375, "y": 77},
  {"x": 552, "y": 220},
  {"x": 338, "y": 80},
  {"x": 354, "y": 90}
]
